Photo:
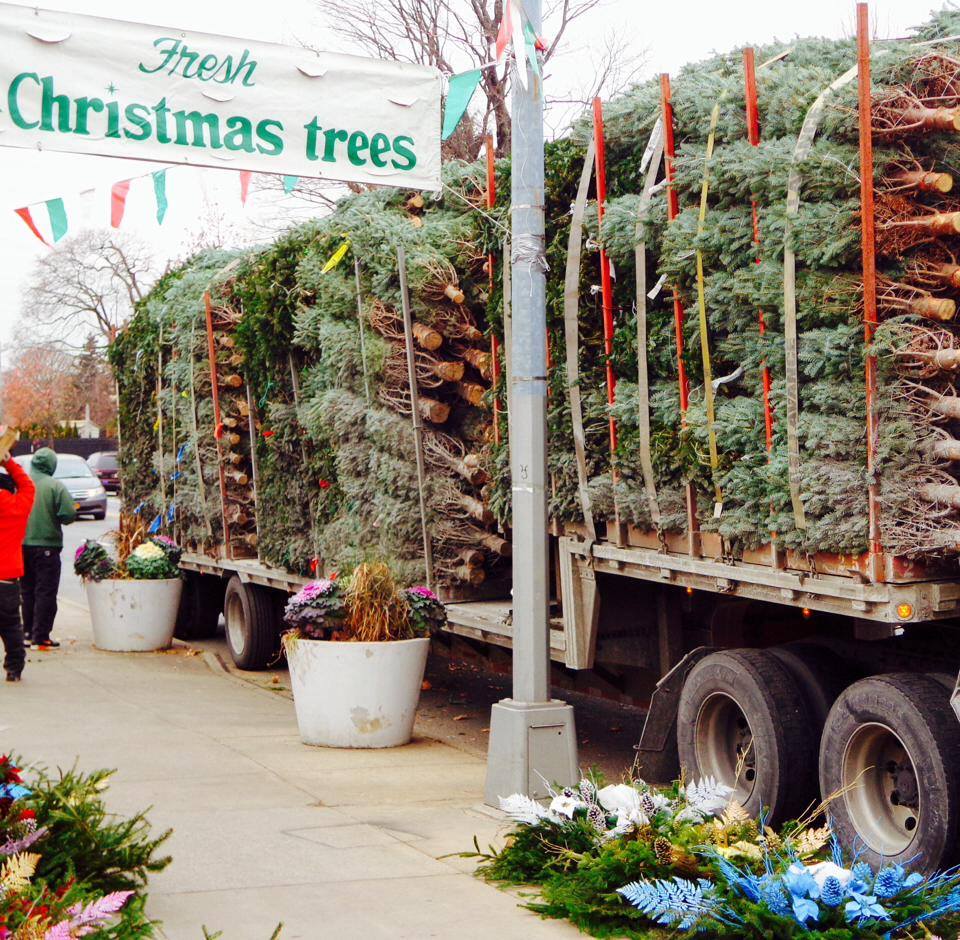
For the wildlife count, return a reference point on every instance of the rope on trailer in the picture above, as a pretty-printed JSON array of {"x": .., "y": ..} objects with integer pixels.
[
  {"x": 808, "y": 131},
  {"x": 653, "y": 156},
  {"x": 571, "y": 334}
]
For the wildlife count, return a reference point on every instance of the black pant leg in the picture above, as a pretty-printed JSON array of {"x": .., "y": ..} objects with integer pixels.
[
  {"x": 11, "y": 632},
  {"x": 28, "y": 588},
  {"x": 47, "y": 585}
]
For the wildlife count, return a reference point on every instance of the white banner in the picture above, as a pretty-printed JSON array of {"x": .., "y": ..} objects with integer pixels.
[{"x": 83, "y": 84}]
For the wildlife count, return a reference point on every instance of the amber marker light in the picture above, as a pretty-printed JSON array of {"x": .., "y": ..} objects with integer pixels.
[
  {"x": 807, "y": 613},
  {"x": 904, "y": 612},
  {"x": 690, "y": 590}
]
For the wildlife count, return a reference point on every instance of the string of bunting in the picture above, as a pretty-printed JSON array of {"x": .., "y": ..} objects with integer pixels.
[
  {"x": 515, "y": 27},
  {"x": 49, "y": 220}
]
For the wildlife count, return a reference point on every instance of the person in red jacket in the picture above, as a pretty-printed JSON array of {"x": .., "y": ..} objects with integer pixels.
[{"x": 16, "y": 501}]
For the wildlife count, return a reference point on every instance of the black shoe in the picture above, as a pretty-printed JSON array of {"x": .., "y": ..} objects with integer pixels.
[
  {"x": 13, "y": 676},
  {"x": 45, "y": 645}
]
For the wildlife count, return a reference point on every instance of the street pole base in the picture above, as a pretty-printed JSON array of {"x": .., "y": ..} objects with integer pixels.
[{"x": 531, "y": 745}]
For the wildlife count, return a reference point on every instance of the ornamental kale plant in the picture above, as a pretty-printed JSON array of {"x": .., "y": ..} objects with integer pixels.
[
  {"x": 151, "y": 562},
  {"x": 317, "y": 610},
  {"x": 169, "y": 548},
  {"x": 92, "y": 562},
  {"x": 427, "y": 614},
  {"x": 344, "y": 609}
]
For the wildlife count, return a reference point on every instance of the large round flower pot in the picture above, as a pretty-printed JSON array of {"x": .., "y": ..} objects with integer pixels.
[
  {"x": 133, "y": 616},
  {"x": 356, "y": 694}
]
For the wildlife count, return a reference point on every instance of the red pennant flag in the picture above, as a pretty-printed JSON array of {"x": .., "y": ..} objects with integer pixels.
[
  {"x": 24, "y": 214},
  {"x": 244, "y": 186},
  {"x": 118, "y": 201},
  {"x": 506, "y": 29}
]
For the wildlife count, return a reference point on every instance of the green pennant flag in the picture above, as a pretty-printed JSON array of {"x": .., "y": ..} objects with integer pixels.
[
  {"x": 290, "y": 183},
  {"x": 530, "y": 41},
  {"x": 160, "y": 191},
  {"x": 58, "y": 218},
  {"x": 461, "y": 91}
]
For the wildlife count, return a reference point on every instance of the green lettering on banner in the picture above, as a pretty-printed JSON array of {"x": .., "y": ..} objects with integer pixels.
[
  {"x": 239, "y": 135},
  {"x": 197, "y": 123},
  {"x": 48, "y": 102},
  {"x": 379, "y": 146},
  {"x": 409, "y": 158},
  {"x": 356, "y": 145},
  {"x": 268, "y": 133},
  {"x": 176, "y": 57},
  {"x": 13, "y": 101}
]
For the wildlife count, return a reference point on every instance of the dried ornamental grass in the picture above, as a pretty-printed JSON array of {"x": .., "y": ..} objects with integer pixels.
[{"x": 376, "y": 610}]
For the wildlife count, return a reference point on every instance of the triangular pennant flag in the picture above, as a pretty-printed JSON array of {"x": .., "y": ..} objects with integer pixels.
[
  {"x": 118, "y": 201},
  {"x": 290, "y": 183},
  {"x": 58, "y": 218},
  {"x": 530, "y": 41},
  {"x": 86, "y": 201},
  {"x": 24, "y": 214},
  {"x": 505, "y": 31},
  {"x": 336, "y": 257},
  {"x": 462, "y": 88},
  {"x": 244, "y": 186},
  {"x": 160, "y": 191},
  {"x": 516, "y": 23},
  {"x": 155, "y": 525}
]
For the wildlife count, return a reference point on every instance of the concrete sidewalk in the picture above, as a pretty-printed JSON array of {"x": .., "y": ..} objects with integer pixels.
[{"x": 333, "y": 843}]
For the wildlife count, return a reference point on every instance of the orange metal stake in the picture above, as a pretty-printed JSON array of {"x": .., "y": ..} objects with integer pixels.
[
  {"x": 606, "y": 284},
  {"x": 869, "y": 274},
  {"x": 673, "y": 210}
]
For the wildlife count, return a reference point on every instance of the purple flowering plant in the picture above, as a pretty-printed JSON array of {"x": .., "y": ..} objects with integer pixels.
[
  {"x": 427, "y": 614},
  {"x": 317, "y": 610}
]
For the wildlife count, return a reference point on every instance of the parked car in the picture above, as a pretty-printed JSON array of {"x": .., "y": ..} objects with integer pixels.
[
  {"x": 88, "y": 494},
  {"x": 105, "y": 465}
]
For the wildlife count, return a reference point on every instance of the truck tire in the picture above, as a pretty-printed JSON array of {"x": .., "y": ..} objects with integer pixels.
[
  {"x": 200, "y": 605},
  {"x": 820, "y": 674},
  {"x": 250, "y": 612},
  {"x": 743, "y": 720},
  {"x": 893, "y": 742}
]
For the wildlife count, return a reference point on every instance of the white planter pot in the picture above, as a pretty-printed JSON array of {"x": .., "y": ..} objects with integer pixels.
[
  {"x": 356, "y": 694},
  {"x": 133, "y": 616}
]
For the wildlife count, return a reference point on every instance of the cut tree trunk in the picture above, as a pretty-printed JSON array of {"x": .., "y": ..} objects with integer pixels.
[
  {"x": 480, "y": 360},
  {"x": 448, "y": 371},
  {"x": 427, "y": 336},
  {"x": 471, "y": 392},
  {"x": 941, "y": 493},
  {"x": 934, "y": 308},
  {"x": 926, "y": 181},
  {"x": 432, "y": 410},
  {"x": 470, "y": 575}
]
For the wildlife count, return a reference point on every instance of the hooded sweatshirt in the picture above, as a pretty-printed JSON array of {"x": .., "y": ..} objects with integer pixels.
[
  {"x": 14, "y": 509},
  {"x": 53, "y": 506}
]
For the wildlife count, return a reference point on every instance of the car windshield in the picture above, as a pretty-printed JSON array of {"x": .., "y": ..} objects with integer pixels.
[
  {"x": 69, "y": 466},
  {"x": 106, "y": 462}
]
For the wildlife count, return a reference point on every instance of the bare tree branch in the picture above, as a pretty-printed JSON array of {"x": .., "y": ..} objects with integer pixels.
[{"x": 87, "y": 285}]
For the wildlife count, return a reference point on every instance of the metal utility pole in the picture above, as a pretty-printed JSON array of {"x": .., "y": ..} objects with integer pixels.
[{"x": 532, "y": 737}]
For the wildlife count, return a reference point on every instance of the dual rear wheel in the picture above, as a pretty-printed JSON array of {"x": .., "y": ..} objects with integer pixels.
[{"x": 780, "y": 725}]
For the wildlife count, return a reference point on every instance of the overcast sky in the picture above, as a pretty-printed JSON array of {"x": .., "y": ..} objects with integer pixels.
[{"x": 671, "y": 34}]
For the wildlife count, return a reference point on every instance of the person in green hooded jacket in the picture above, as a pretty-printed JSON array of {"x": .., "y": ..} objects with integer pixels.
[{"x": 53, "y": 508}]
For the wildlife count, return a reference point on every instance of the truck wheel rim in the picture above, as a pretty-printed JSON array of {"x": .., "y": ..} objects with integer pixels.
[
  {"x": 235, "y": 623},
  {"x": 882, "y": 795},
  {"x": 724, "y": 745}
]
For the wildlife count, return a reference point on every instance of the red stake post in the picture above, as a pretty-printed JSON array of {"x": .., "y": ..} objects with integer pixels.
[
  {"x": 753, "y": 135},
  {"x": 494, "y": 342},
  {"x": 673, "y": 210},
  {"x": 869, "y": 272},
  {"x": 606, "y": 284}
]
